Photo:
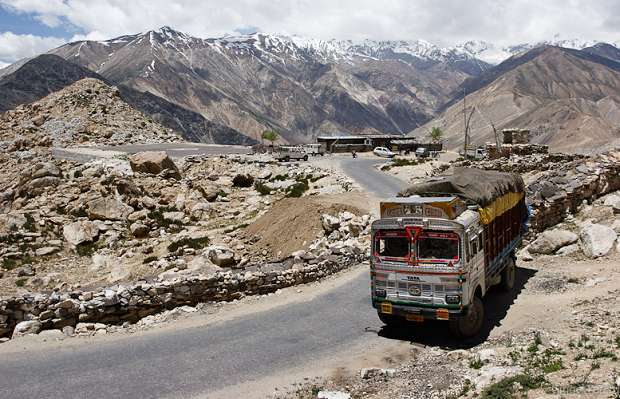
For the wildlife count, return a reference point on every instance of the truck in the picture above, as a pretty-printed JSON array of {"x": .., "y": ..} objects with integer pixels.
[
  {"x": 287, "y": 153},
  {"x": 438, "y": 248},
  {"x": 315, "y": 149}
]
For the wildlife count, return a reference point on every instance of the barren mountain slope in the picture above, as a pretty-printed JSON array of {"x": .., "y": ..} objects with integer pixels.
[
  {"x": 45, "y": 74},
  {"x": 569, "y": 102},
  {"x": 253, "y": 82}
]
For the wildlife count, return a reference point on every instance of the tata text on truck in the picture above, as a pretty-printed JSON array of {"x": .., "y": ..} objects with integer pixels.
[{"x": 438, "y": 249}]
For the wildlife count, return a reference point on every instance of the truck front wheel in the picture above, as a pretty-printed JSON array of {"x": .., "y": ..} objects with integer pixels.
[
  {"x": 508, "y": 275},
  {"x": 470, "y": 324}
]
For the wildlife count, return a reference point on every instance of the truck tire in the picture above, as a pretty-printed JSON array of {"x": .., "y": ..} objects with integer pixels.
[
  {"x": 305, "y": 157},
  {"x": 391, "y": 320},
  {"x": 509, "y": 273},
  {"x": 469, "y": 325},
  {"x": 286, "y": 159}
]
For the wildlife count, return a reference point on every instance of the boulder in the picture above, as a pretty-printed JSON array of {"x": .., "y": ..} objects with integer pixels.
[
  {"x": 597, "y": 240},
  {"x": 209, "y": 192},
  {"x": 44, "y": 251},
  {"x": 568, "y": 250},
  {"x": 107, "y": 208},
  {"x": 27, "y": 327},
  {"x": 139, "y": 230},
  {"x": 221, "y": 256},
  {"x": 616, "y": 226},
  {"x": 80, "y": 232},
  {"x": 551, "y": 240},
  {"x": 613, "y": 200},
  {"x": 330, "y": 223},
  {"x": 154, "y": 162},
  {"x": 174, "y": 217}
]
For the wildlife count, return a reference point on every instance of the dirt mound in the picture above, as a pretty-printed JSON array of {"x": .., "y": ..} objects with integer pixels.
[{"x": 292, "y": 224}]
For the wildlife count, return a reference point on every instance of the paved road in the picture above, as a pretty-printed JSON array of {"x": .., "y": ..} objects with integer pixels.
[
  {"x": 363, "y": 171},
  {"x": 178, "y": 150},
  {"x": 196, "y": 360},
  {"x": 192, "y": 361}
]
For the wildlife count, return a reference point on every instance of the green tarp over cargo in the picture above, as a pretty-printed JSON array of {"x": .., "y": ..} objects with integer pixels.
[{"x": 481, "y": 187}]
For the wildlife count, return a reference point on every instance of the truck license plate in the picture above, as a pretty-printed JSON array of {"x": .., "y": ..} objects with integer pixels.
[
  {"x": 386, "y": 307},
  {"x": 418, "y": 318}
]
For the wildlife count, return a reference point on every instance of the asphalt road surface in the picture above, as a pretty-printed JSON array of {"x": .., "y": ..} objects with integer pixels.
[
  {"x": 178, "y": 150},
  {"x": 198, "y": 360},
  {"x": 363, "y": 171}
]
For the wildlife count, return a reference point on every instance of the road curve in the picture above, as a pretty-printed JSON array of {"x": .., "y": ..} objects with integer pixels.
[
  {"x": 364, "y": 171},
  {"x": 199, "y": 360}
]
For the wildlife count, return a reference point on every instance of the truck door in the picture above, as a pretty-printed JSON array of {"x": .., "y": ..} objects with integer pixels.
[{"x": 476, "y": 260}]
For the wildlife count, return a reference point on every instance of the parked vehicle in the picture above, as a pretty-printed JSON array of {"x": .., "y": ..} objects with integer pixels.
[
  {"x": 475, "y": 153},
  {"x": 287, "y": 153},
  {"x": 422, "y": 152},
  {"x": 315, "y": 149},
  {"x": 383, "y": 152},
  {"x": 435, "y": 256}
]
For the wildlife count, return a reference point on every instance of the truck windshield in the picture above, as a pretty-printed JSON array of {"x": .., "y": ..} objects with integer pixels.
[
  {"x": 438, "y": 246},
  {"x": 392, "y": 244}
]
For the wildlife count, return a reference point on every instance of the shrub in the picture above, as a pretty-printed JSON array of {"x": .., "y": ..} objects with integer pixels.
[
  {"x": 20, "y": 282},
  {"x": 504, "y": 389},
  {"x": 149, "y": 259},
  {"x": 262, "y": 188},
  {"x": 299, "y": 188},
  {"x": 476, "y": 363},
  {"x": 86, "y": 249},
  {"x": 195, "y": 243},
  {"x": 8, "y": 263},
  {"x": 243, "y": 181}
]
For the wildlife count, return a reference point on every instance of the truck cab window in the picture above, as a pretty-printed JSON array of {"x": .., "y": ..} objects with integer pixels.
[
  {"x": 438, "y": 246},
  {"x": 392, "y": 246}
]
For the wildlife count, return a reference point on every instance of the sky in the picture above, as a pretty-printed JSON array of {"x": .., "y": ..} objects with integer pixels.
[{"x": 30, "y": 27}]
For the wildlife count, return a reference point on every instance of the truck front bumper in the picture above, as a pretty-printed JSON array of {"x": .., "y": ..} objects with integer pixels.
[{"x": 415, "y": 312}]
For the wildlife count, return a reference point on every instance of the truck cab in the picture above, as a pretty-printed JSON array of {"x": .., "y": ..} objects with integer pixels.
[{"x": 428, "y": 262}]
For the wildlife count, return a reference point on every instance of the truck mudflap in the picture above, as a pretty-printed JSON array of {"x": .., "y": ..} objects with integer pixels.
[{"x": 418, "y": 313}]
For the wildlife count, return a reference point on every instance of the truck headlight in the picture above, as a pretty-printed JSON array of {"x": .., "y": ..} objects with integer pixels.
[
  {"x": 453, "y": 299},
  {"x": 414, "y": 290}
]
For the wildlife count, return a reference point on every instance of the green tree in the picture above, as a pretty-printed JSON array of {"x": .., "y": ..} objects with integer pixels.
[
  {"x": 436, "y": 134},
  {"x": 270, "y": 135}
]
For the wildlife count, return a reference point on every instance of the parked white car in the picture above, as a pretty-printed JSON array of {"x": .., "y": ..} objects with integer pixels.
[
  {"x": 383, "y": 152},
  {"x": 288, "y": 153}
]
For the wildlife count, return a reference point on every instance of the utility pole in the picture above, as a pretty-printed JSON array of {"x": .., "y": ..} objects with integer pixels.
[{"x": 465, "y": 123}]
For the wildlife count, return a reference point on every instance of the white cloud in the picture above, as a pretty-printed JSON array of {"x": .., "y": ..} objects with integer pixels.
[
  {"x": 443, "y": 22},
  {"x": 14, "y": 47}
]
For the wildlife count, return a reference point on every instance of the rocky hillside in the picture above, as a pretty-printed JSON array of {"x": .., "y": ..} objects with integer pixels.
[
  {"x": 568, "y": 98},
  {"x": 299, "y": 87},
  {"x": 88, "y": 112},
  {"x": 36, "y": 78}
]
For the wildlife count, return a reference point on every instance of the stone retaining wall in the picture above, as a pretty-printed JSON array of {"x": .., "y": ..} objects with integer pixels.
[
  {"x": 120, "y": 304},
  {"x": 584, "y": 183}
]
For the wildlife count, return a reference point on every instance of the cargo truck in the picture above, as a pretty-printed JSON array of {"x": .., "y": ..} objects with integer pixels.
[{"x": 438, "y": 248}]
